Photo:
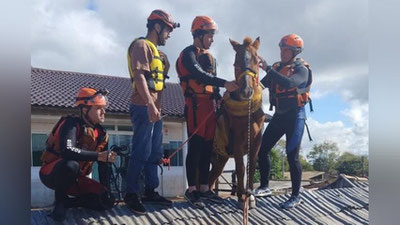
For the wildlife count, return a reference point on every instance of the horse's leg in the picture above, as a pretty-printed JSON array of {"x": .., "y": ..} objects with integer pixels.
[
  {"x": 218, "y": 163},
  {"x": 240, "y": 169},
  {"x": 256, "y": 135}
]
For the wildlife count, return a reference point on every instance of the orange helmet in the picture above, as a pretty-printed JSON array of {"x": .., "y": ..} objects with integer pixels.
[
  {"x": 87, "y": 96},
  {"x": 159, "y": 14},
  {"x": 292, "y": 41},
  {"x": 203, "y": 23}
]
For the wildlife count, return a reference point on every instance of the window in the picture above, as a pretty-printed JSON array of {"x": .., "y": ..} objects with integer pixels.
[
  {"x": 169, "y": 148},
  {"x": 108, "y": 127},
  {"x": 125, "y": 128},
  {"x": 38, "y": 142}
]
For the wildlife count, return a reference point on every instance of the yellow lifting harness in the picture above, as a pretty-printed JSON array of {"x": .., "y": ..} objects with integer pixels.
[
  {"x": 241, "y": 108},
  {"x": 155, "y": 78}
]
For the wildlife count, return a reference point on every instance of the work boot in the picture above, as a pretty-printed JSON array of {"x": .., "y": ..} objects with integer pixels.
[
  {"x": 292, "y": 202},
  {"x": 58, "y": 213},
  {"x": 133, "y": 202},
  {"x": 152, "y": 197},
  {"x": 211, "y": 196},
  {"x": 194, "y": 199}
]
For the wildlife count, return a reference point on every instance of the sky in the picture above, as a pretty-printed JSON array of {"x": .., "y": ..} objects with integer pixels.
[{"x": 92, "y": 36}]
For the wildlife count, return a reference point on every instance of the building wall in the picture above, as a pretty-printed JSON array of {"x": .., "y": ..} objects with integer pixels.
[{"x": 172, "y": 182}]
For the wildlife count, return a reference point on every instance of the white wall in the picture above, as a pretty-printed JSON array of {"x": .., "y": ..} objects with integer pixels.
[{"x": 172, "y": 183}]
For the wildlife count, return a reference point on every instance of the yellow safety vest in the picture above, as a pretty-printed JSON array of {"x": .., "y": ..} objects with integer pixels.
[{"x": 155, "y": 78}]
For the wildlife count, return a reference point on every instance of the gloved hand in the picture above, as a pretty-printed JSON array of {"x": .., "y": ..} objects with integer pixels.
[{"x": 262, "y": 63}]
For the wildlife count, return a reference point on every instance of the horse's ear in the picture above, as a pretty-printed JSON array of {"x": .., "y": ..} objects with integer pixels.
[
  {"x": 256, "y": 43},
  {"x": 234, "y": 44}
]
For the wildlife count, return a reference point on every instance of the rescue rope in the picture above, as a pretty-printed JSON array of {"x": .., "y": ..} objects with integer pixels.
[
  {"x": 247, "y": 193},
  {"x": 168, "y": 159}
]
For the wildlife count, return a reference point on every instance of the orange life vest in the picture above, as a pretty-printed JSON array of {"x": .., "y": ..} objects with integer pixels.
[
  {"x": 91, "y": 139},
  {"x": 189, "y": 85},
  {"x": 283, "y": 98}
]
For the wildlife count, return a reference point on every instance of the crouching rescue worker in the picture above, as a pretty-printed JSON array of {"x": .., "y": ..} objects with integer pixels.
[
  {"x": 73, "y": 145},
  {"x": 196, "y": 68},
  {"x": 289, "y": 83}
]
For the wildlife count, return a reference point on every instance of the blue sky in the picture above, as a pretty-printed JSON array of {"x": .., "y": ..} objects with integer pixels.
[{"x": 329, "y": 108}]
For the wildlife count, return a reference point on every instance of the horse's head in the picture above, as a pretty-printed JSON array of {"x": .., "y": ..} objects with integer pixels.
[{"x": 246, "y": 68}]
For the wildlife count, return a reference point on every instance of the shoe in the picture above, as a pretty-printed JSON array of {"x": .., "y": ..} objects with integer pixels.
[
  {"x": 262, "y": 192},
  {"x": 194, "y": 199},
  {"x": 152, "y": 197},
  {"x": 211, "y": 196},
  {"x": 58, "y": 213},
  {"x": 292, "y": 202},
  {"x": 133, "y": 202}
]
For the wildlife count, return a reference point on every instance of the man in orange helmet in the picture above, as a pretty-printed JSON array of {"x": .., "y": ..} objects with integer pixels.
[
  {"x": 196, "y": 69},
  {"x": 289, "y": 84},
  {"x": 72, "y": 147},
  {"x": 148, "y": 69}
]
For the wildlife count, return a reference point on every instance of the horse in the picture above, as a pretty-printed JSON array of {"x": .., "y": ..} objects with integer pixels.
[{"x": 240, "y": 118}]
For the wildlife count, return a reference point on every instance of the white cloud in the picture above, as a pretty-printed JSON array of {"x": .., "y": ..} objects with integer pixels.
[{"x": 352, "y": 138}]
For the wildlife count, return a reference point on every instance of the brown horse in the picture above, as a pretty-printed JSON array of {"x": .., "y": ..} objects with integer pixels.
[{"x": 233, "y": 125}]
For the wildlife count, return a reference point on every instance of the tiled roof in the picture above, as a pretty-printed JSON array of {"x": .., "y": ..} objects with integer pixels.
[
  {"x": 329, "y": 206},
  {"x": 54, "y": 88}
]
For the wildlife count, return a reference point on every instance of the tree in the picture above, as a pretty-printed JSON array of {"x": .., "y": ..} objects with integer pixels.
[
  {"x": 304, "y": 164},
  {"x": 352, "y": 164},
  {"x": 323, "y": 156}
]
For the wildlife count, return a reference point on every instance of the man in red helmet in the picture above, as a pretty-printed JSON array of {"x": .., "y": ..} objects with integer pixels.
[
  {"x": 289, "y": 83},
  {"x": 196, "y": 69},
  {"x": 148, "y": 69},
  {"x": 72, "y": 147}
]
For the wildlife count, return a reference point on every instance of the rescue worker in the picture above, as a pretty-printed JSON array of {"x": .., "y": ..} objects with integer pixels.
[
  {"x": 148, "y": 69},
  {"x": 196, "y": 69},
  {"x": 289, "y": 83},
  {"x": 73, "y": 145}
]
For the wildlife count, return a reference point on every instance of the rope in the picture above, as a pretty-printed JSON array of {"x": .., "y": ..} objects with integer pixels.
[
  {"x": 168, "y": 159},
  {"x": 246, "y": 200}
]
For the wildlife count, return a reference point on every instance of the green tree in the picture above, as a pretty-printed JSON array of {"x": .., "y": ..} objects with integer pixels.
[
  {"x": 352, "y": 164},
  {"x": 323, "y": 156},
  {"x": 304, "y": 164},
  {"x": 276, "y": 164}
]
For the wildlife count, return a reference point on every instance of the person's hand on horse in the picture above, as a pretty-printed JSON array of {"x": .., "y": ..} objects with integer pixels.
[
  {"x": 262, "y": 63},
  {"x": 231, "y": 86}
]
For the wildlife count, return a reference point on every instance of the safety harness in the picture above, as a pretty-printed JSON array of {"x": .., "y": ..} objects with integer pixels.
[
  {"x": 91, "y": 139},
  {"x": 192, "y": 89},
  {"x": 155, "y": 78},
  {"x": 281, "y": 97}
]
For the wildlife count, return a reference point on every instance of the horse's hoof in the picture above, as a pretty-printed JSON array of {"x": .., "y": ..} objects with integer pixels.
[{"x": 252, "y": 202}]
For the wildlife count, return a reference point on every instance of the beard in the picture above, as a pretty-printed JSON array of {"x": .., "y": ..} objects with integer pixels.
[{"x": 161, "y": 42}]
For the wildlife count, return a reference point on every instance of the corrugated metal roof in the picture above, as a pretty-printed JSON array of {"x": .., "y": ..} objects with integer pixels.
[
  {"x": 329, "y": 206},
  {"x": 55, "y": 88}
]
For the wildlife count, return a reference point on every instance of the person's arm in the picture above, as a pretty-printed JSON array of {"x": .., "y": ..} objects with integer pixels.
[
  {"x": 299, "y": 76},
  {"x": 68, "y": 148},
  {"x": 192, "y": 65}
]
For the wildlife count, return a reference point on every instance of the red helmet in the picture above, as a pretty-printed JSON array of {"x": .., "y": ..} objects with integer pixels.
[
  {"x": 159, "y": 14},
  {"x": 203, "y": 23},
  {"x": 87, "y": 96},
  {"x": 292, "y": 41}
]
